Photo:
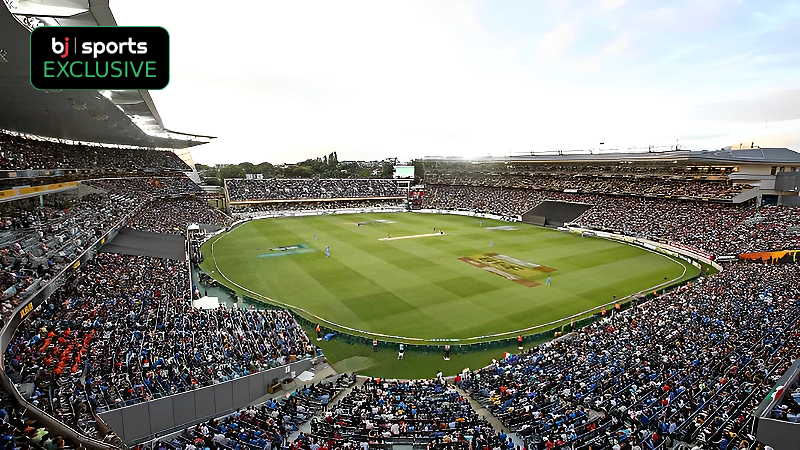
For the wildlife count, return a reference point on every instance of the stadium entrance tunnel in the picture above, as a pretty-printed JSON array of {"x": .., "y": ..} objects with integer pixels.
[
  {"x": 145, "y": 243},
  {"x": 554, "y": 213}
]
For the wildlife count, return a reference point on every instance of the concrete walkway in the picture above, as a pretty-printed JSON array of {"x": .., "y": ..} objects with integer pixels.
[
  {"x": 321, "y": 371},
  {"x": 480, "y": 409},
  {"x": 486, "y": 414},
  {"x": 306, "y": 427}
]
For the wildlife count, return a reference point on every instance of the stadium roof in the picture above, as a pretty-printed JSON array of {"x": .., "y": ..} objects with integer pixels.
[
  {"x": 726, "y": 156},
  {"x": 765, "y": 155},
  {"x": 116, "y": 117}
]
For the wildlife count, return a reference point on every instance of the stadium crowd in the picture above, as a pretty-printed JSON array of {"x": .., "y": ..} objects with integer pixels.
[
  {"x": 173, "y": 215},
  {"x": 266, "y": 209},
  {"x": 309, "y": 188},
  {"x": 452, "y": 168},
  {"x": 500, "y": 201},
  {"x": 20, "y": 432},
  {"x": 594, "y": 184},
  {"x": 37, "y": 242},
  {"x": 688, "y": 365},
  {"x": 143, "y": 188},
  {"x": 430, "y": 409},
  {"x": 715, "y": 228},
  {"x": 267, "y": 425},
  {"x": 19, "y": 153},
  {"x": 122, "y": 330}
]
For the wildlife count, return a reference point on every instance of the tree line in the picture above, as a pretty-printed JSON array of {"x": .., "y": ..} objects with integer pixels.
[{"x": 327, "y": 166}]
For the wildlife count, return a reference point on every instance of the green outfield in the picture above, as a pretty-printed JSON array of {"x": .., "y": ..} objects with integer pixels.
[{"x": 397, "y": 275}]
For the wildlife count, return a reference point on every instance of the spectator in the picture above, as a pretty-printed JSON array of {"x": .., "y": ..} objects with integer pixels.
[
  {"x": 310, "y": 188},
  {"x": 19, "y": 153},
  {"x": 381, "y": 410},
  {"x": 655, "y": 368},
  {"x": 713, "y": 228},
  {"x": 174, "y": 215},
  {"x": 126, "y": 322}
]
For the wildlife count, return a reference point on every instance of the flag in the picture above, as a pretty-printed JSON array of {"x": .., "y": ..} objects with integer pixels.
[
  {"x": 506, "y": 355},
  {"x": 778, "y": 392}
]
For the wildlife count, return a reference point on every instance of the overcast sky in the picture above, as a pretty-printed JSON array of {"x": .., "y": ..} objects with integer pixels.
[{"x": 285, "y": 81}]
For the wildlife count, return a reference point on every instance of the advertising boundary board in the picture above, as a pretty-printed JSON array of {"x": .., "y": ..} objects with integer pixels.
[{"x": 145, "y": 421}]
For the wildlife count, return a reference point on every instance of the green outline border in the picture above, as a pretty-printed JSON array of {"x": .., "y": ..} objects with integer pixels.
[{"x": 169, "y": 61}]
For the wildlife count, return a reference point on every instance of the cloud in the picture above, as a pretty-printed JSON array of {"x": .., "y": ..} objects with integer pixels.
[
  {"x": 774, "y": 106},
  {"x": 614, "y": 47},
  {"x": 702, "y": 136},
  {"x": 664, "y": 13},
  {"x": 617, "y": 46},
  {"x": 375, "y": 79},
  {"x": 555, "y": 42},
  {"x": 788, "y": 139},
  {"x": 608, "y": 5}
]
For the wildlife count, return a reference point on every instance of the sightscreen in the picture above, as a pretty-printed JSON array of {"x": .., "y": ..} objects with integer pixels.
[{"x": 404, "y": 171}]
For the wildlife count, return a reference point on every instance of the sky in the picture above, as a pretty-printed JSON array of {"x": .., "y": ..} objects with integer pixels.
[{"x": 285, "y": 81}]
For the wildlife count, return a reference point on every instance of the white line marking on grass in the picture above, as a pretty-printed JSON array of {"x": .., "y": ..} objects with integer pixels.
[
  {"x": 297, "y": 308},
  {"x": 458, "y": 341},
  {"x": 412, "y": 236}
]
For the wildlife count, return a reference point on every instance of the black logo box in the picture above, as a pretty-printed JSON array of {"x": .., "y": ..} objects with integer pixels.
[{"x": 123, "y": 64}]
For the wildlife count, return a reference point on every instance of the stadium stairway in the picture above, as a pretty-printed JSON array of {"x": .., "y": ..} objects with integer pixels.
[
  {"x": 746, "y": 195},
  {"x": 321, "y": 372},
  {"x": 484, "y": 413},
  {"x": 319, "y": 376}
]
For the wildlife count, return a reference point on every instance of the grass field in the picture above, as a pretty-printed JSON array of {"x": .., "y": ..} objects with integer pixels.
[
  {"x": 347, "y": 357},
  {"x": 417, "y": 287}
]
